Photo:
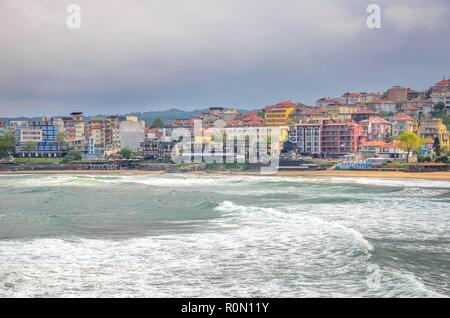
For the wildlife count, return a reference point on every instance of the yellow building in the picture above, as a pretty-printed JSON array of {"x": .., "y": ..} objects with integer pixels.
[
  {"x": 341, "y": 112},
  {"x": 280, "y": 114},
  {"x": 74, "y": 128},
  {"x": 432, "y": 128}
]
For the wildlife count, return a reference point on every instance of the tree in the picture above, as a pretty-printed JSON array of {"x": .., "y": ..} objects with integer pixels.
[
  {"x": 7, "y": 144},
  {"x": 437, "y": 146},
  {"x": 439, "y": 107},
  {"x": 157, "y": 123},
  {"x": 409, "y": 142},
  {"x": 73, "y": 155},
  {"x": 126, "y": 153},
  {"x": 61, "y": 138}
]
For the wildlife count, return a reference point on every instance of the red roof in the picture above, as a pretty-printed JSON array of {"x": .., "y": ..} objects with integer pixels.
[
  {"x": 421, "y": 100},
  {"x": 379, "y": 144},
  {"x": 403, "y": 117},
  {"x": 378, "y": 120},
  {"x": 316, "y": 111},
  {"x": 286, "y": 103},
  {"x": 443, "y": 83},
  {"x": 374, "y": 143},
  {"x": 282, "y": 105}
]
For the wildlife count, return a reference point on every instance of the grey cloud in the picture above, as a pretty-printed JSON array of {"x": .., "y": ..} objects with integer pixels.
[{"x": 141, "y": 55}]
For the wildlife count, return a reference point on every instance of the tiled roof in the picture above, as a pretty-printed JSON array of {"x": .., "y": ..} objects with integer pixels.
[
  {"x": 374, "y": 143},
  {"x": 443, "y": 83},
  {"x": 378, "y": 120},
  {"x": 380, "y": 144},
  {"x": 403, "y": 117},
  {"x": 421, "y": 100}
]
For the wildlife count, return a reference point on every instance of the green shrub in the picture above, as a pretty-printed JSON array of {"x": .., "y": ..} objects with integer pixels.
[
  {"x": 422, "y": 159},
  {"x": 442, "y": 159}
]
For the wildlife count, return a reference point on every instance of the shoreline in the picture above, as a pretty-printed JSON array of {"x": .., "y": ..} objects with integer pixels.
[{"x": 443, "y": 176}]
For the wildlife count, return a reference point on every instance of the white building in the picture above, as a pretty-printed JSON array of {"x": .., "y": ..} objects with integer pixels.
[
  {"x": 441, "y": 93},
  {"x": 383, "y": 106},
  {"x": 132, "y": 133}
]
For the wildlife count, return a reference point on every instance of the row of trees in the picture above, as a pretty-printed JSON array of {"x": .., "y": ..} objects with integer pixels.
[{"x": 7, "y": 144}]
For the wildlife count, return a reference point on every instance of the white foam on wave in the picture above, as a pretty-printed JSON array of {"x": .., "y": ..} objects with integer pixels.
[
  {"x": 277, "y": 215},
  {"x": 186, "y": 265},
  {"x": 33, "y": 181},
  {"x": 229, "y": 207},
  {"x": 170, "y": 180},
  {"x": 173, "y": 180},
  {"x": 358, "y": 236},
  {"x": 414, "y": 287}
]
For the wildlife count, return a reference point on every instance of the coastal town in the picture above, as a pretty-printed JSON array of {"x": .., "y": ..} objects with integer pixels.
[{"x": 400, "y": 128}]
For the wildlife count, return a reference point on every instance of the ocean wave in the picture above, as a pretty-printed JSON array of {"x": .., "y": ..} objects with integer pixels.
[
  {"x": 193, "y": 265},
  {"x": 414, "y": 287},
  {"x": 268, "y": 183},
  {"x": 277, "y": 215}
]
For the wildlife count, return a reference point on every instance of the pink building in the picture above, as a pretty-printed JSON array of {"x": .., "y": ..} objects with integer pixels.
[
  {"x": 326, "y": 138},
  {"x": 376, "y": 128},
  {"x": 340, "y": 138}
]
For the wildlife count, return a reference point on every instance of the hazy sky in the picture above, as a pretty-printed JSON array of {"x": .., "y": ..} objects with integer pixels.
[{"x": 141, "y": 55}]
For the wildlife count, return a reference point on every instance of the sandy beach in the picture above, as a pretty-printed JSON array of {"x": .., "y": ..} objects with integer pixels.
[{"x": 323, "y": 173}]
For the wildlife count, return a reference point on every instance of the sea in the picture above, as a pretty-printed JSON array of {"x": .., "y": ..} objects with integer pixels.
[{"x": 183, "y": 235}]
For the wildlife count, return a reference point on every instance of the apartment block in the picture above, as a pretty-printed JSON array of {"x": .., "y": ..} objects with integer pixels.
[{"x": 432, "y": 128}]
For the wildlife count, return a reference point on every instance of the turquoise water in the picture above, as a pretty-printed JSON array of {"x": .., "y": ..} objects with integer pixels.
[{"x": 223, "y": 236}]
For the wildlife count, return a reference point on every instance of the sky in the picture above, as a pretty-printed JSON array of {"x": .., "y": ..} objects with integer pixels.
[{"x": 144, "y": 55}]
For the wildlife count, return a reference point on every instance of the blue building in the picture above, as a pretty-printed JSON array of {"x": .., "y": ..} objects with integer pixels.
[
  {"x": 15, "y": 126},
  {"x": 46, "y": 143}
]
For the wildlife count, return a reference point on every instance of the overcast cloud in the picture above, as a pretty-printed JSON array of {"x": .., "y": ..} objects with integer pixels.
[{"x": 140, "y": 55}]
